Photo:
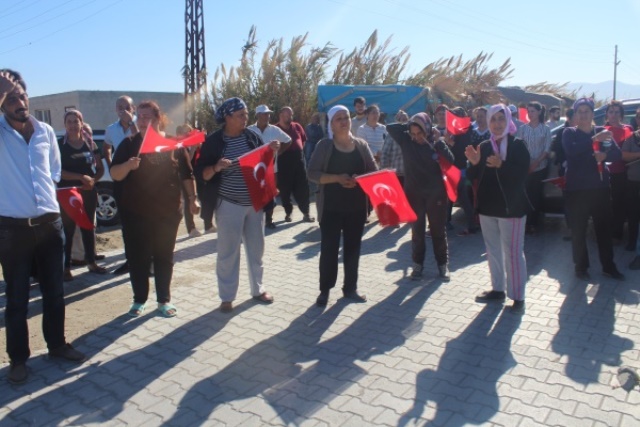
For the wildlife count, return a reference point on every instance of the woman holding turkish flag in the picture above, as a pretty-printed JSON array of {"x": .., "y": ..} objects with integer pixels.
[
  {"x": 501, "y": 166},
  {"x": 82, "y": 168},
  {"x": 150, "y": 208},
  {"x": 226, "y": 192},
  {"x": 341, "y": 203}
]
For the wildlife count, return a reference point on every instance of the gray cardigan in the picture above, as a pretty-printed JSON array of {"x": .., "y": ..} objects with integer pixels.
[{"x": 320, "y": 161}]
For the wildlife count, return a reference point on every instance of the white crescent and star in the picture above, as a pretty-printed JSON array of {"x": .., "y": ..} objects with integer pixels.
[
  {"x": 385, "y": 192},
  {"x": 256, "y": 168},
  {"x": 74, "y": 199},
  {"x": 160, "y": 148}
]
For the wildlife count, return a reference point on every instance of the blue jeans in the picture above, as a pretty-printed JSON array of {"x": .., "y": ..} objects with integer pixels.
[{"x": 20, "y": 247}]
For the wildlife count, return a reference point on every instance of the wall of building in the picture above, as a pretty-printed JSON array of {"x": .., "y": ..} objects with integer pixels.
[{"x": 99, "y": 107}]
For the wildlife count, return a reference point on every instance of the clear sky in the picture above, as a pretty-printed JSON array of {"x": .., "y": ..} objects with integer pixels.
[{"x": 126, "y": 45}]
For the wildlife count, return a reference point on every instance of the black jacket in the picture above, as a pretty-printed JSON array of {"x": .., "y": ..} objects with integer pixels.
[{"x": 501, "y": 191}]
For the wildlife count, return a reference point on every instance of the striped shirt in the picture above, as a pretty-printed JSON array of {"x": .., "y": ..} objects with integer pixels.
[
  {"x": 538, "y": 141},
  {"x": 232, "y": 186},
  {"x": 391, "y": 156},
  {"x": 373, "y": 135}
]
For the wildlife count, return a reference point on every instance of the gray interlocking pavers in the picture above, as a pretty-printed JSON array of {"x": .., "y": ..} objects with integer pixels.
[{"x": 417, "y": 353}]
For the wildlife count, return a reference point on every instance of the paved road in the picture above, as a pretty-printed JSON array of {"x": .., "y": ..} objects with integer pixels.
[{"x": 416, "y": 354}]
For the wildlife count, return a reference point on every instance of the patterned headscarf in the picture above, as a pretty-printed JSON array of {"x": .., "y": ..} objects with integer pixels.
[
  {"x": 332, "y": 112},
  {"x": 423, "y": 121},
  {"x": 509, "y": 129},
  {"x": 229, "y": 107}
]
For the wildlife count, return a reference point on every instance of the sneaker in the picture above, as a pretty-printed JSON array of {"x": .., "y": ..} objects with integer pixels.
[
  {"x": 488, "y": 296},
  {"x": 287, "y": 218},
  {"x": 270, "y": 224},
  {"x": 67, "y": 352},
  {"x": 416, "y": 274},
  {"x": 17, "y": 373},
  {"x": 323, "y": 299},
  {"x": 308, "y": 218},
  {"x": 614, "y": 274},
  {"x": 354, "y": 296},
  {"x": 443, "y": 272},
  {"x": 517, "y": 307},
  {"x": 635, "y": 264},
  {"x": 212, "y": 229},
  {"x": 195, "y": 233}
]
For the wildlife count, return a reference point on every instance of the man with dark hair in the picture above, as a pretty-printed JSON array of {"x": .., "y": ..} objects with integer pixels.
[
  {"x": 554, "y": 117},
  {"x": 30, "y": 226},
  {"x": 292, "y": 174},
  {"x": 360, "y": 105}
]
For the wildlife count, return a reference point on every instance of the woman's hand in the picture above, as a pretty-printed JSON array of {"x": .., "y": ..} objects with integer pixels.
[
  {"x": 605, "y": 135},
  {"x": 346, "y": 181},
  {"x": 133, "y": 163},
  {"x": 221, "y": 165},
  {"x": 494, "y": 161},
  {"x": 87, "y": 182},
  {"x": 194, "y": 205},
  {"x": 472, "y": 155}
]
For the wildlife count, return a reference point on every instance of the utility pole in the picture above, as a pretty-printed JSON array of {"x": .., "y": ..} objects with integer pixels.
[
  {"x": 195, "y": 66},
  {"x": 615, "y": 72}
]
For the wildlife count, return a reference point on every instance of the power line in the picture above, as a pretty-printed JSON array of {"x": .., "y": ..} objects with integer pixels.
[
  {"x": 61, "y": 29},
  {"x": 31, "y": 18},
  {"x": 19, "y": 5}
]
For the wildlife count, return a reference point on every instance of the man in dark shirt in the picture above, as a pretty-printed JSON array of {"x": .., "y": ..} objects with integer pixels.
[{"x": 292, "y": 174}]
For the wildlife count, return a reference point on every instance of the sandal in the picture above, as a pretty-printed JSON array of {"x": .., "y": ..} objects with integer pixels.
[
  {"x": 136, "y": 309},
  {"x": 95, "y": 268},
  {"x": 264, "y": 298},
  {"x": 167, "y": 309}
]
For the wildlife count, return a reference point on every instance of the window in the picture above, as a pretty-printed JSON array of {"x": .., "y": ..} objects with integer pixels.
[
  {"x": 69, "y": 108},
  {"x": 44, "y": 116}
]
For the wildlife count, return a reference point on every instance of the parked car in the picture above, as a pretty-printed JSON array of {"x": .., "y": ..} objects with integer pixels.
[{"x": 107, "y": 209}]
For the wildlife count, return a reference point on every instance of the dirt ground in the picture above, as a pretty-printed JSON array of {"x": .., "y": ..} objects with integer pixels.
[{"x": 91, "y": 300}]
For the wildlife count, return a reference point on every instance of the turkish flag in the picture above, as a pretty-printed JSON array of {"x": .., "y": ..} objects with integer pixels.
[
  {"x": 620, "y": 134},
  {"x": 387, "y": 197},
  {"x": 155, "y": 143},
  {"x": 451, "y": 176},
  {"x": 523, "y": 114},
  {"x": 559, "y": 181},
  {"x": 258, "y": 173},
  {"x": 71, "y": 201},
  {"x": 457, "y": 125}
]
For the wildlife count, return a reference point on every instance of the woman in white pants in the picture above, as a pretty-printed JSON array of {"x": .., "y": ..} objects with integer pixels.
[{"x": 501, "y": 165}]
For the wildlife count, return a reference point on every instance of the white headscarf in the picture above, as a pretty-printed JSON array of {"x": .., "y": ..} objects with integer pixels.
[
  {"x": 509, "y": 129},
  {"x": 332, "y": 112}
]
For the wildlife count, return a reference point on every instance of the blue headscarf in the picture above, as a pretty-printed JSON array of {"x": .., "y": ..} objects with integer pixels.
[{"x": 229, "y": 107}]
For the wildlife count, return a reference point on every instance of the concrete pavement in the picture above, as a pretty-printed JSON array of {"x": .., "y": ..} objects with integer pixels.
[{"x": 418, "y": 353}]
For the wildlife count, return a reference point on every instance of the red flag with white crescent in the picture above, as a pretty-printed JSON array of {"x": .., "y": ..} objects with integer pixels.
[
  {"x": 71, "y": 202},
  {"x": 155, "y": 143},
  {"x": 387, "y": 197},
  {"x": 258, "y": 173},
  {"x": 523, "y": 115},
  {"x": 457, "y": 125}
]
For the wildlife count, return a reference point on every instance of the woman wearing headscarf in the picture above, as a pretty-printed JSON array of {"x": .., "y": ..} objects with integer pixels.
[
  {"x": 341, "y": 203},
  {"x": 225, "y": 191},
  {"x": 150, "y": 208},
  {"x": 82, "y": 168},
  {"x": 501, "y": 166},
  {"x": 587, "y": 191},
  {"x": 422, "y": 146}
]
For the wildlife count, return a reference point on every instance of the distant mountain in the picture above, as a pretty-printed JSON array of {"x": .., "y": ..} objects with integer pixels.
[{"x": 604, "y": 90}]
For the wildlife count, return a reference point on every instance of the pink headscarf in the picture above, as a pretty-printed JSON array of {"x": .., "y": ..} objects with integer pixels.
[{"x": 510, "y": 129}]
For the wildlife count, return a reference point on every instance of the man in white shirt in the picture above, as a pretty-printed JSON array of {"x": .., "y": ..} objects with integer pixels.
[
  {"x": 30, "y": 226},
  {"x": 268, "y": 133},
  {"x": 360, "y": 105}
]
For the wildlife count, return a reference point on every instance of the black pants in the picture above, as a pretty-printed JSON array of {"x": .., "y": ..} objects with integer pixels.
[
  {"x": 618, "y": 202},
  {"x": 186, "y": 205},
  {"x": 292, "y": 179},
  {"x": 207, "y": 207},
  {"x": 90, "y": 200},
  {"x": 19, "y": 247},
  {"x": 535, "y": 189},
  {"x": 464, "y": 201},
  {"x": 351, "y": 226},
  {"x": 633, "y": 203},
  {"x": 434, "y": 207},
  {"x": 595, "y": 204},
  {"x": 150, "y": 238}
]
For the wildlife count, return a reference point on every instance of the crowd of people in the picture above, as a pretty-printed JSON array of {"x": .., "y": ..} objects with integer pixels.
[{"x": 503, "y": 164}]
